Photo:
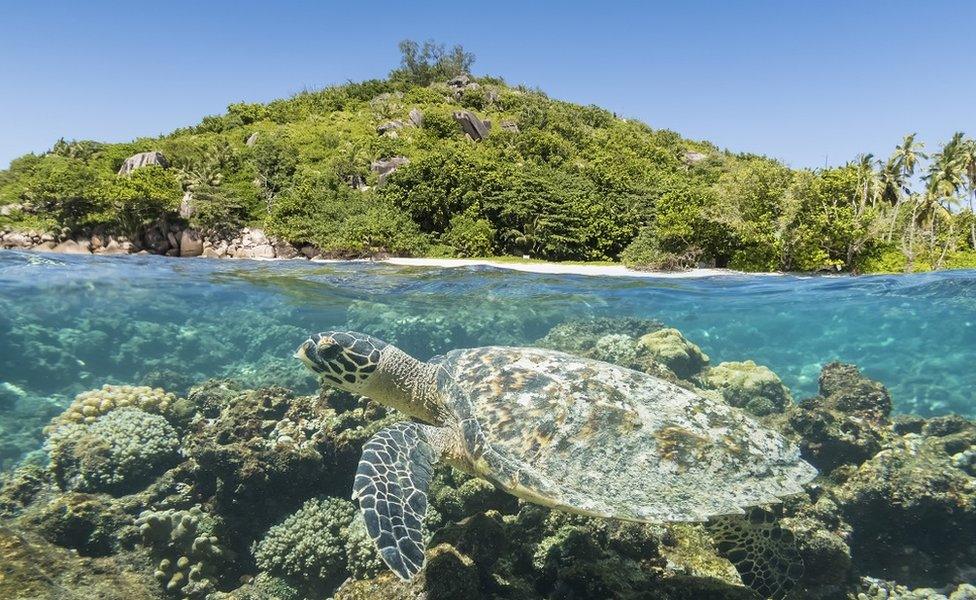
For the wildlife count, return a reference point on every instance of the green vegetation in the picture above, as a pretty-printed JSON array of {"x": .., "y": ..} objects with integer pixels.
[{"x": 552, "y": 180}]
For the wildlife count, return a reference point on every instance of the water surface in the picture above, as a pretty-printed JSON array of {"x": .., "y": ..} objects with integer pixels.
[{"x": 71, "y": 323}]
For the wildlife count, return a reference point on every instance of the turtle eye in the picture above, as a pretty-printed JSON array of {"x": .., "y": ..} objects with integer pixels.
[{"x": 327, "y": 349}]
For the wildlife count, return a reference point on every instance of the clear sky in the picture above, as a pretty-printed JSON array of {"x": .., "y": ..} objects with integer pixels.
[{"x": 803, "y": 81}]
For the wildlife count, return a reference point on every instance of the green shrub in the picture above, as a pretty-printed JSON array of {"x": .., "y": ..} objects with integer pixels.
[
  {"x": 342, "y": 221},
  {"x": 131, "y": 201},
  {"x": 440, "y": 122},
  {"x": 64, "y": 189},
  {"x": 469, "y": 236}
]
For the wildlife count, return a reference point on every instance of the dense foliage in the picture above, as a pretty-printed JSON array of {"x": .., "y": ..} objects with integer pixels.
[{"x": 552, "y": 180}]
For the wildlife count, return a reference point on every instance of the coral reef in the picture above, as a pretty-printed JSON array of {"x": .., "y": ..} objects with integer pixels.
[
  {"x": 581, "y": 336},
  {"x": 877, "y": 589},
  {"x": 88, "y": 406},
  {"x": 748, "y": 385},
  {"x": 440, "y": 328},
  {"x": 32, "y": 568},
  {"x": 117, "y": 452},
  {"x": 232, "y": 493},
  {"x": 8, "y": 396}
]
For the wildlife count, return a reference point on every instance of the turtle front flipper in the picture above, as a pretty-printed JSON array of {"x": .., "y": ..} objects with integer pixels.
[{"x": 391, "y": 486}]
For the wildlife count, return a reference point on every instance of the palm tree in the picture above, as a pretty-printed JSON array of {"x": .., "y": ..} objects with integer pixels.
[
  {"x": 897, "y": 173},
  {"x": 969, "y": 162},
  {"x": 945, "y": 177},
  {"x": 867, "y": 180}
]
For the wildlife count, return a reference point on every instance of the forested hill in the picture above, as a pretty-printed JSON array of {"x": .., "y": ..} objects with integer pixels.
[{"x": 434, "y": 162}]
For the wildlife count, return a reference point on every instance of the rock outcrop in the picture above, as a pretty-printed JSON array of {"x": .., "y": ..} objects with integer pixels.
[
  {"x": 143, "y": 159},
  {"x": 416, "y": 117},
  {"x": 387, "y": 166},
  {"x": 191, "y": 243},
  {"x": 472, "y": 126}
]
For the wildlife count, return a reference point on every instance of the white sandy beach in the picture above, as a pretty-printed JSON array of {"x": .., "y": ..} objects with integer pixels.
[{"x": 558, "y": 268}]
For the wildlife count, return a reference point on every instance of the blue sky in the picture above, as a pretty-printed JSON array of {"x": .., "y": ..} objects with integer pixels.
[{"x": 806, "y": 82}]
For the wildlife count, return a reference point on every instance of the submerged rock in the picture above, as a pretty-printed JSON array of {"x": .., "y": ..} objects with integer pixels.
[
  {"x": 670, "y": 348},
  {"x": 748, "y": 385},
  {"x": 847, "y": 423},
  {"x": 913, "y": 501}
]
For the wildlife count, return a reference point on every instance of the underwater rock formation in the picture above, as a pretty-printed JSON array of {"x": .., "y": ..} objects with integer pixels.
[
  {"x": 671, "y": 349},
  {"x": 847, "y": 423},
  {"x": 914, "y": 501},
  {"x": 748, "y": 385}
]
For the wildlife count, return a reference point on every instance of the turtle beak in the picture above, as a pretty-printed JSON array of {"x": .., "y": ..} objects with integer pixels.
[{"x": 305, "y": 353}]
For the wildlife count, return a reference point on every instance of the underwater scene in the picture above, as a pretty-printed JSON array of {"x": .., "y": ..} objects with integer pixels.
[{"x": 176, "y": 428}]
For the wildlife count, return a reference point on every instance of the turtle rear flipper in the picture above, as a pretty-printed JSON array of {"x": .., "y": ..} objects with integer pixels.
[
  {"x": 764, "y": 554},
  {"x": 391, "y": 485}
]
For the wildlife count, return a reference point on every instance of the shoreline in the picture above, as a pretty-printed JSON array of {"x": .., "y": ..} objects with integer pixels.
[
  {"x": 537, "y": 267},
  {"x": 555, "y": 268}
]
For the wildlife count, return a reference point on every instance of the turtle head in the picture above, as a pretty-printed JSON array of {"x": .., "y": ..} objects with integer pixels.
[
  {"x": 365, "y": 366},
  {"x": 345, "y": 359}
]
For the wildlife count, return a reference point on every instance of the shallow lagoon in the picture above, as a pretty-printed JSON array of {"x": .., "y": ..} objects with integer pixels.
[{"x": 73, "y": 323}]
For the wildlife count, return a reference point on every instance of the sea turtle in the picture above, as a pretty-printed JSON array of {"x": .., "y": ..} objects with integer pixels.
[{"x": 566, "y": 432}]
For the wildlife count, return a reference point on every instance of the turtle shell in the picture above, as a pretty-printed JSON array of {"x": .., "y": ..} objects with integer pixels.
[{"x": 602, "y": 440}]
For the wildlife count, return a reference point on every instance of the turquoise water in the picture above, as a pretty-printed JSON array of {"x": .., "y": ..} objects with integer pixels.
[{"x": 69, "y": 324}]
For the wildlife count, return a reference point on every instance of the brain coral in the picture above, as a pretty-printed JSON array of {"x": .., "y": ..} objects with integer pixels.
[{"x": 117, "y": 453}]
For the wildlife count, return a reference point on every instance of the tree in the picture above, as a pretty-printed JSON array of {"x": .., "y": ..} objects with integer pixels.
[
  {"x": 147, "y": 193},
  {"x": 969, "y": 162},
  {"x": 867, "y": 181},
  {"x": 64, "y": 189},
  {"x": 429, "y": 62},
  {"x": 275, "y": 161}
]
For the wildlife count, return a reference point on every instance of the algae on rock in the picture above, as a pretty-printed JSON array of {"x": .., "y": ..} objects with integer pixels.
[{"x": 749, "y": 386}]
